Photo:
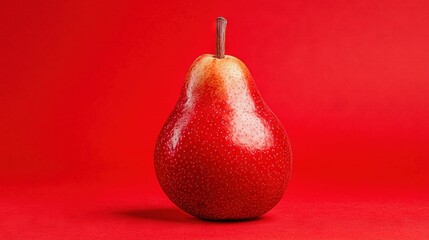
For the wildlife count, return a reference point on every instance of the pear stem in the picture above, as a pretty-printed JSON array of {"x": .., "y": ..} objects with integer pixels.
[{"x": 220, "y": 37}]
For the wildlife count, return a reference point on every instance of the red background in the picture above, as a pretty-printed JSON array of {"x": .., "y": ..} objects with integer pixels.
[{"x": 86, "y": 86}]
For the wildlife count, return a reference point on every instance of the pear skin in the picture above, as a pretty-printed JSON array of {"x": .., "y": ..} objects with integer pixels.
[{"x": 222, "y": 154}]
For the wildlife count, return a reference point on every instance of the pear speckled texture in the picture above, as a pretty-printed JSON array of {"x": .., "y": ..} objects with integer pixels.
[{"x": 222, "y": 154}]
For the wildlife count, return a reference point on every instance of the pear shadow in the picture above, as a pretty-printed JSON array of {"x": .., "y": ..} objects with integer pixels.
[
  {"x": 156, "y": 214},
  {"x": 175, "y": 215},
  {"x": 254, "y": 219}
]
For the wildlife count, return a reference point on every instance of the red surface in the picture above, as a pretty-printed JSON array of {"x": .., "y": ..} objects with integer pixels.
[
  {"x": 118, "y": 212},
  {"x": 86, "y": 86}
]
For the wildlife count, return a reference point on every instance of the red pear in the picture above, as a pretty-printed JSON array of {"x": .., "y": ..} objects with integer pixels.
[{"x": 222, "y": 154}]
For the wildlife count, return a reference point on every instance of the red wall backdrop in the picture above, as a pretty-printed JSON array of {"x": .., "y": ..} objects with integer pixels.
[{"x": 85, "y": 86}]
